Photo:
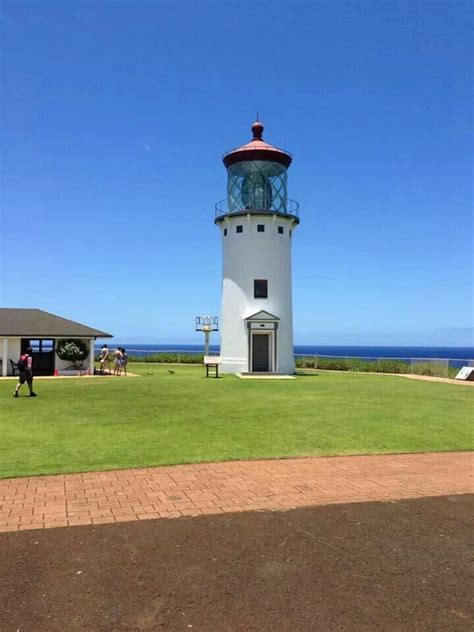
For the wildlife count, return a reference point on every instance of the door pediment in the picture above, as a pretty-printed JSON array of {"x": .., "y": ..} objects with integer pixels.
[{"x": 262, "y": 315}]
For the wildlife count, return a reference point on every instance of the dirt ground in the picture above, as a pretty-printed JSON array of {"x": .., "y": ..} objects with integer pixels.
[{"x": 368, "y": 566}]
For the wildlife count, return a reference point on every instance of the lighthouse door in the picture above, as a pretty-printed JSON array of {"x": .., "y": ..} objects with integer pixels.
[{"x": 261, "y": 352}]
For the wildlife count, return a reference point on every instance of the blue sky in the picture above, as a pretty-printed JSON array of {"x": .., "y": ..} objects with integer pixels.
[{"x": 114, "y": 119}]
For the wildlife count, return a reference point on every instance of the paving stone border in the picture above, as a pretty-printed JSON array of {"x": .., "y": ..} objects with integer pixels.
[{"x": 211, "y": 488}]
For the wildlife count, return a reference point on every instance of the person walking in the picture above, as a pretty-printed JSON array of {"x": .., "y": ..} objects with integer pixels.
[
  {"x": 104, "y": 358},
  {"x": 25, "y": 368}
]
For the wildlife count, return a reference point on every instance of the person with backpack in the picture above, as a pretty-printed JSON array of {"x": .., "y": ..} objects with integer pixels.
[{"x": 25, "y": 368}]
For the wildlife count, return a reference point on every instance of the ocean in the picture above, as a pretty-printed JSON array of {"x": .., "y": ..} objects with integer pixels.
[{"x": 458, "y": 356}]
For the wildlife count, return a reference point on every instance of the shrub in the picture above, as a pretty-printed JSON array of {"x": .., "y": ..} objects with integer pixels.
[
  {"x": 360, "y": 365},
  {"x": 382, "y": 365},
  {"x": 433, "y": 368},
  {"x": 72, "y": 350}
]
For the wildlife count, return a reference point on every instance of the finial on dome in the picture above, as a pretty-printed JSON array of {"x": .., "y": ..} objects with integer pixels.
[{"x": 257, "y": 130}]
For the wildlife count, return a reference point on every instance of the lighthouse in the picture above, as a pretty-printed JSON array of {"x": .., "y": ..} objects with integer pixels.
[{"x": 257, "y": 223}]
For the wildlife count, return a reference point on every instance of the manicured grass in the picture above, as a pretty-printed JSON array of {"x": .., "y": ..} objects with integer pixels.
[{"x": 157, "y": 418}]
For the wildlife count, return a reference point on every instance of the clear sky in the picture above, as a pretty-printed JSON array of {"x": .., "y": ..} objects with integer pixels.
[{"x": 114, "y": 119}]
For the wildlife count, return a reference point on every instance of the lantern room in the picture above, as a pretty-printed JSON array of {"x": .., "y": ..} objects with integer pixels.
[{"x": 257, "y": 179}]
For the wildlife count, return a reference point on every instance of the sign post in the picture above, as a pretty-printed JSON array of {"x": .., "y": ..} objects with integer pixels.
[{"x": 207, "y": 324}]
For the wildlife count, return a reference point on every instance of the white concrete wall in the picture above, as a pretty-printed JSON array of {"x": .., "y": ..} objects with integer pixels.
[
  {"x": 13, "y": 352},
  {"x": 247, "y": 256}
]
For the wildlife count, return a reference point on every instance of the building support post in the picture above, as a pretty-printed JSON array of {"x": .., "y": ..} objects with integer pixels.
[
  {"x": 91, "y": 356},
  {"x": 5, "y": 358}
]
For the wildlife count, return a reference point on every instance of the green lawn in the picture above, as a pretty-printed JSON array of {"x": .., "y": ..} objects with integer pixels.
[{"x": 157, "y": 418}]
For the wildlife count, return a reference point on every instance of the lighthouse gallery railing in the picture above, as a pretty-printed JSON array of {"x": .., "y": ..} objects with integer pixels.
[{"x": 292, "y": 209}]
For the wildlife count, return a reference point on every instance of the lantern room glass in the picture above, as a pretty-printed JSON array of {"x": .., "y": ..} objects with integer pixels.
[{"x": 257, "y": 185}]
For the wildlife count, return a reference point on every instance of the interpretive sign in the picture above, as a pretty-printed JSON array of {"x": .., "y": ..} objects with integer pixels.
[
  {"x": 212, "y": 359},
  {"x": 466, "y": 373},
  {"x": 212, "y": 362}
]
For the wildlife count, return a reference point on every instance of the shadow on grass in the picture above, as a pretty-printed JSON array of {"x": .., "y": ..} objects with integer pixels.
[{"x": 301, "y": 374}]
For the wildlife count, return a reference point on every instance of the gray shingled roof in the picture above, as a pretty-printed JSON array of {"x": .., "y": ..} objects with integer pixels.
[{"x": 30, "y": 323}]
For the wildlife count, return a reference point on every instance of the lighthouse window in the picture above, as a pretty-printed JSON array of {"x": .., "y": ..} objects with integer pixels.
[
  {"x": 260, "y": 288},
  {"x": 280, "y": 230},
  {"x": 225, "y": 232},
  {"x": 239, "y": 229},
  {"x": 258, "y": 185},
  {"x": 260, "y": 228}
]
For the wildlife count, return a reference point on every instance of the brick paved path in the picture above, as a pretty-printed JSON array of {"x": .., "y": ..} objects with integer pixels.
[{"x": 211, "y": 488}]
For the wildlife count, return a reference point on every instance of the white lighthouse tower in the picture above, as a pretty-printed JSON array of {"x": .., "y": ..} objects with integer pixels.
[{"x": 257, "y": 221}]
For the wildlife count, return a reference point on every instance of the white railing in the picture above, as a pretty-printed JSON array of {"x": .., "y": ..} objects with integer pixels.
[
  {"x": 424, "y": 366},
  {"x": 418, "y": 366}
]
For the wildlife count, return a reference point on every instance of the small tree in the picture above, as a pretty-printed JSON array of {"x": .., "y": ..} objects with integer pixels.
[{"x": 72, "y": 350}]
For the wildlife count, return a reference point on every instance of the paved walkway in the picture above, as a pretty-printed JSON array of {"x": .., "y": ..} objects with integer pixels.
[
  {"x": 429, "y": 378},
  {"x": 410, "y": 376},
  {"x": 14, "y": 378},
  {"x": 211, "y": 488}
]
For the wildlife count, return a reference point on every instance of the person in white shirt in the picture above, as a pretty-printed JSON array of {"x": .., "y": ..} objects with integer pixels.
[{"x": 104, "y": 358}]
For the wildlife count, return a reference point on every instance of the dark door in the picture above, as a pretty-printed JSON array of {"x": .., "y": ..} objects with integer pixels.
[
  {"x": 260, "y": 352},
  {"x": 43, "y": 355}
]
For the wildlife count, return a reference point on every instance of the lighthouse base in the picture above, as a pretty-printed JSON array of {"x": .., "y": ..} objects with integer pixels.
[
  {"x": 258, "y": 347},
  {"x": 233, "y": 365},
  {"x": 243, "y": 368},
  {"x": 266, "y": 376}
]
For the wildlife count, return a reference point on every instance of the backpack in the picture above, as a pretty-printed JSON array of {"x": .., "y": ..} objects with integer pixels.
[{"x": 23, "y": 363}]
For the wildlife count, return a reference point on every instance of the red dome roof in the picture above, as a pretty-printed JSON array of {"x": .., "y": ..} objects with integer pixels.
[{"x": 257, "y": 149}]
